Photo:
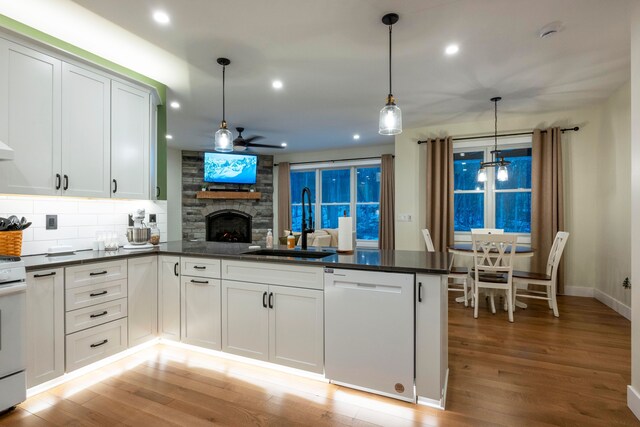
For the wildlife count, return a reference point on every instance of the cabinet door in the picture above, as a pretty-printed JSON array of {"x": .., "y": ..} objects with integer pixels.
[
  {"x": 30, "y": 85},
  {"x": 86, "y": 132},
  {"x": 431, "y": 338},
  {"x": 169, "y": 297},
  {"x": 200, "y": 300},
  {"x": 129, "y": 142},
  {"x": 45, "y": 326},
  {"x": 245, "y": 319},
  {"x": 143, "y": 299},
  {"x": 296, "y": 328}
]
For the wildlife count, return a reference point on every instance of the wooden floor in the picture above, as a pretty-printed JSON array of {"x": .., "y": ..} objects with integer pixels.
[{"x": 540, "y": 370}]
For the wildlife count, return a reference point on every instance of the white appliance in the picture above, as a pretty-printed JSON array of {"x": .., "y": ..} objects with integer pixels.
[
  {"x": 13, "y": 293},
  {"x": 369, "y": 331}
]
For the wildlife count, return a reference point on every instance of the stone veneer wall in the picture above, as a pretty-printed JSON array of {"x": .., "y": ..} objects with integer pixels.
[{"x": 195, "y": 210}]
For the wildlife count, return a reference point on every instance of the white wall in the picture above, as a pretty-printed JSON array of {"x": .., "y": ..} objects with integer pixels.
[
  {"x": 634, "y": 391},
  {"x": 174, "y": 194},
  {"x": 612, "y": 237},
  {"x": 79, "y": 219},
  {"x": 318, "y": 156},
  {"x": 580, "y": 161}
]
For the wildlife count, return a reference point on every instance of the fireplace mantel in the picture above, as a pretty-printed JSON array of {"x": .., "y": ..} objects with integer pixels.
[{"x": 244, "y": 195}]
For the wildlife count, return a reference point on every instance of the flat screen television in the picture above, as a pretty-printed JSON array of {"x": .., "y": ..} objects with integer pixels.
[{"x": 224, "y": 168}]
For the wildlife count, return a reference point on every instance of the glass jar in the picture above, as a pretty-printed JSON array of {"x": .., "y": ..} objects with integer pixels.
[{"x": 154, "y": 235}]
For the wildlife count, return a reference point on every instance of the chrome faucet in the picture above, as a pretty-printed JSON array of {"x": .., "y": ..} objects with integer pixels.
[{"x": 306, "y": 230}]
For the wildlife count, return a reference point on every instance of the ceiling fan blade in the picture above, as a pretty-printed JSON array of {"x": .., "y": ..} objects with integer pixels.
[
  {"x": 253, "y": 138},
  {"x": 264, "y": 146}
]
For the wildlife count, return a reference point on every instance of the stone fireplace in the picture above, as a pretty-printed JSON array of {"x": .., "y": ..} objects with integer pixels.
[
  {"x": 228, "y": 225},
  {"x": 197, "y": 213}
]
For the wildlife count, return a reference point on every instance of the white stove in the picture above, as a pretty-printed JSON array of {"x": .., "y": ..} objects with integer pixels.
[{"x": 13, "y": 290}]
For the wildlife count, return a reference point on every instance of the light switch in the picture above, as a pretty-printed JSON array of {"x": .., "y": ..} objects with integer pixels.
[{"x": 404, "y": 217}]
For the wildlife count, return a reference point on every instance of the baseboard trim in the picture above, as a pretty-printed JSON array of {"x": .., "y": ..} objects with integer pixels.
[
  {"x": 613, "y": 303},
  {"x": 578, "y": 291},
  {"x": 633, "y": 401}
]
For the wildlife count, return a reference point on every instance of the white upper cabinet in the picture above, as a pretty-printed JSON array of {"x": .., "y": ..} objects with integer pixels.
[
  {"x": 130, "y": 155},
  {"x": 86, "y": 131},
  {"x": 30, "y": 120}
]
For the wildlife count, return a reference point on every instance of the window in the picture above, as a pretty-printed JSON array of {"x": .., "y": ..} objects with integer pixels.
[
  {"x": 336, "y": 190},
  {"x": 493, "y": 204}
]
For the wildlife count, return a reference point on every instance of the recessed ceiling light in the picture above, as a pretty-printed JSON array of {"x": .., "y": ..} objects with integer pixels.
[
  {"x": 452, "y": 49},
  {"x": 161, "y": 17},
  {"x": 284, "y": 144},
  {"x": 169, "y": 136},
  {"x": 356, "y": 136},
  {"x": 175, "y": 105},
  {"x": 277, "y": 84}
]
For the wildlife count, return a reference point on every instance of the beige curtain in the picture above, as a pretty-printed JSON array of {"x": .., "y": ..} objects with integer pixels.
[
  {"x": 284, "y": 198},
  {"x": 440, "y": 192},
  {"x": 386, "y": 233},
  {"x": 547, "y": 199}
]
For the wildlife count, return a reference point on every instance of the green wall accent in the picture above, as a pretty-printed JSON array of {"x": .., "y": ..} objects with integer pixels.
[{"x": 32, "y": 33}]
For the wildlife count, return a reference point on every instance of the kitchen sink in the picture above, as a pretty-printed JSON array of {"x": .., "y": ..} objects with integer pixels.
[{"x": 292, "y": 253}]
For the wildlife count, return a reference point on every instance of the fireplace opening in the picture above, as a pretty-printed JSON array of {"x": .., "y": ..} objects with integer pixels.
[{"x": 229, "y": 226}]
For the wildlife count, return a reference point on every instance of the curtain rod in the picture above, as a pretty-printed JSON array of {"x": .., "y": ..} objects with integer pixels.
[
  {"x": 332, "y": 161},
  {"x": 468, "y": 138}
]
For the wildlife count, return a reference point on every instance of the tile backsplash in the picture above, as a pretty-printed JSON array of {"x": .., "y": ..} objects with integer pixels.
[{"x": 78, "y": 219}]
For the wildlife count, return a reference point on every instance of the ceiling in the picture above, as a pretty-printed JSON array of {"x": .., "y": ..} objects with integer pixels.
[{"x": 332, "y": 58}]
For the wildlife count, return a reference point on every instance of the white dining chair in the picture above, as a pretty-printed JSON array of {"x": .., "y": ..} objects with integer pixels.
[
  {"x": 457, "y": 274},
  {"x": 548, "y": 279},
  {"x": 493, "y": 268},
  {"x": 487, "y": 231}
]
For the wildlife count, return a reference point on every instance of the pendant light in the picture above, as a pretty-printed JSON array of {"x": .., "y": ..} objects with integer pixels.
[
  {"x": 390, "y": 122},
  {"x": 496, "y": 159},
  {"x": 224, "y": 137}
]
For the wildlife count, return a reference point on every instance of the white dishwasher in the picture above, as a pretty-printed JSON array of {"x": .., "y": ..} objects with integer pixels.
[{"x": 369, "y": 331}]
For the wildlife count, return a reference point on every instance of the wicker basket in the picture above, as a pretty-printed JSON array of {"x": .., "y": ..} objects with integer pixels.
[{"x": 11, "y": 243}]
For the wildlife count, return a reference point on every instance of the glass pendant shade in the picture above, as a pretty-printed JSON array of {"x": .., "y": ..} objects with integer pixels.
[
  {"x": 390, "y": 120},
  {"x": 224, "y": 140},
  {"x": 503, "y": 174},
  {"x": 482, "y": 175}
]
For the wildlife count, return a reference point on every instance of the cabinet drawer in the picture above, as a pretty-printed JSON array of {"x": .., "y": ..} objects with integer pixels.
[
  {"x": 200, "y": 267},
  {"x": 83, "y": 275},
  {"x": 89, "y": 295},
  {"x": 95, "y": 315},
  {"x": 95, "y": 343},
  {"x": 298, "y": 276}
]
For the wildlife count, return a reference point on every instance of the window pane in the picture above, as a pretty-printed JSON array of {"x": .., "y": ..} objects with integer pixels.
[
  {"x": 302, "y": 179},
  {"x": 468, "y": 211},
  {"x": 336, "y": 186},
  {"x": 513, "y": 212},
  {"x": 519, "y": 169},
  {"x": 296, "y": 216},
  {"x": 368, "y": 184},
  {"x": 330, "y": 214},
  {"x": 367, "y": 221},
  {"x": 465, "y": 170}
]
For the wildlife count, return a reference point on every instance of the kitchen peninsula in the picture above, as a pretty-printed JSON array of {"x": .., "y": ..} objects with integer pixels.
[{"x": 227, "y": 298}]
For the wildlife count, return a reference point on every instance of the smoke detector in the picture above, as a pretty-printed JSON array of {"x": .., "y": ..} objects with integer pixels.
[{"x": 550, "y": 29}]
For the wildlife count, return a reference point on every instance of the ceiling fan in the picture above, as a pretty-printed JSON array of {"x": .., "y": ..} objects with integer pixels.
[{"x": 241, "y": 144}]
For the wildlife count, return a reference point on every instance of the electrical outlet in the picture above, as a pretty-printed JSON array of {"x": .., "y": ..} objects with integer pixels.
[
  {"x": 404, "y": 217},
  {"x": 152, "y": 218},
  {"x": 52, "y": 222}
]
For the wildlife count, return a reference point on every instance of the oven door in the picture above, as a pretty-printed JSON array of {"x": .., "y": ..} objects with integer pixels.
[{"x": 12, "y": 328}]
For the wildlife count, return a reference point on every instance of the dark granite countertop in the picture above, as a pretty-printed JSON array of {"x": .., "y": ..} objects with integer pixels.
[{"x": 361, "y": 259}]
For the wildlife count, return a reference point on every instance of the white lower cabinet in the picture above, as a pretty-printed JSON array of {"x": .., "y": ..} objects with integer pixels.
[
  {"x": 200, "y": 311},
  {"x": 45, "y": 325},
  {"x": 169, "y": 297},
  {"x": 245, "y": 319},
  {"x": 279, "y": 324},
  {"x": 431, "y": 338},
  {"x": 142, "y": 273},
  {"x": 94, "y": 344}
]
